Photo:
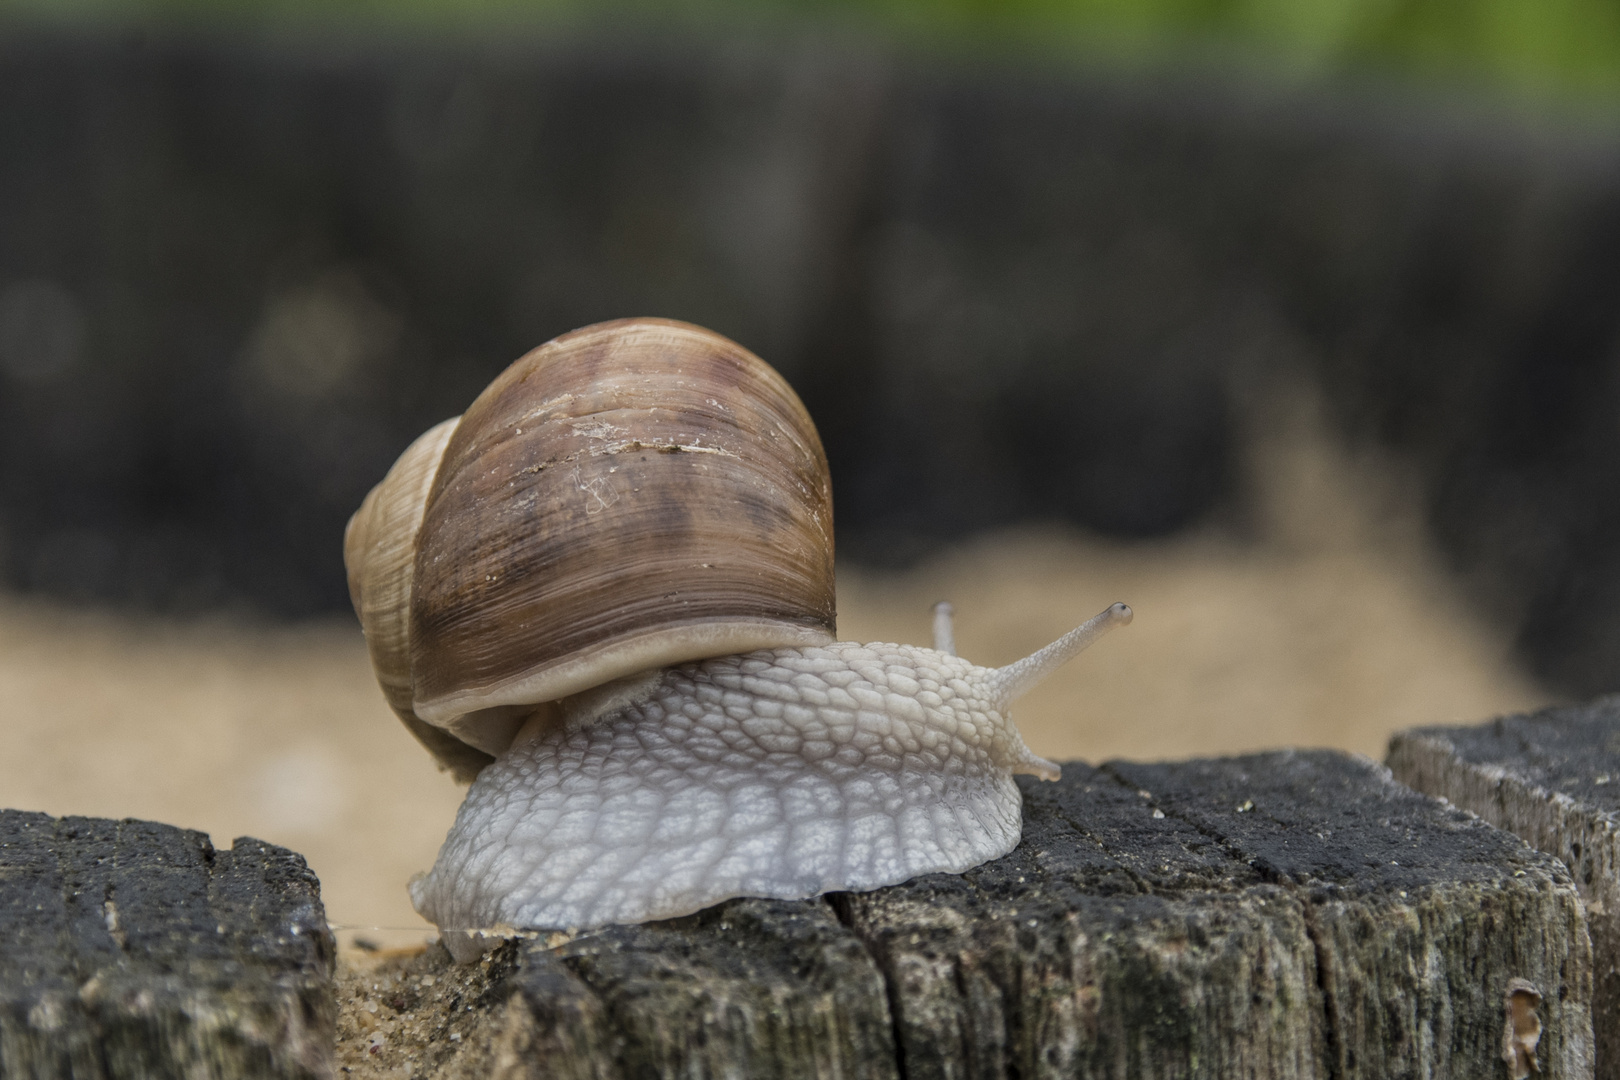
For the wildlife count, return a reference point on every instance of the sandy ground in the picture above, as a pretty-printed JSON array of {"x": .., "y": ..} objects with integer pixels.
[
  {"x": 414, "y": 1012},
  {"x": 1328, "y": 625}
]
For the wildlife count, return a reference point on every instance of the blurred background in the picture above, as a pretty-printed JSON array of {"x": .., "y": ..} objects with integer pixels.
[{"x": 1293, "y": 323}]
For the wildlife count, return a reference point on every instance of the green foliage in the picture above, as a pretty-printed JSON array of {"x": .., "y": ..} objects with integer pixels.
[{"x": 1545, "y": 45}]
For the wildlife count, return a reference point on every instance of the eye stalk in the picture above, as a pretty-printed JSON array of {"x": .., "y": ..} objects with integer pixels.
[
  {"x": 945, "y": 628},
  {"x": 1020, "y": 677}
]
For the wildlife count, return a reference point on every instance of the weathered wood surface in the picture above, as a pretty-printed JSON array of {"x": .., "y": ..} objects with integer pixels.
[
  {"x": 1287, "y": 914},
  {"x": 1552, "y": 777},
  {"x": 132, "y": 949}
]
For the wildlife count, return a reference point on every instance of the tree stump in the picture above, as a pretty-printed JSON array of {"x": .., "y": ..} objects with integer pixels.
[
  {"x": 132, "y": 949},
  {"x": 1553, "y": 778},
  {"x": 1288, "y": 914}
]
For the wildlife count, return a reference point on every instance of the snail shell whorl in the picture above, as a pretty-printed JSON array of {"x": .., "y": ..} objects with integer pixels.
[
  {"x": 627, "y": 496},
  {"x": 379, "y": 549}
]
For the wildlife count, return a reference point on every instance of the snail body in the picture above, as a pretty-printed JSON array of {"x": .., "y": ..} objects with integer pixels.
[
  {"x": 782, "y": 772},
  {"x": 654, "y": 712}
]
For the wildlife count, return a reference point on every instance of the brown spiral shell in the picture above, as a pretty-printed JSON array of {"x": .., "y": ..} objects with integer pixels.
[{"x": 628, "y": 496}]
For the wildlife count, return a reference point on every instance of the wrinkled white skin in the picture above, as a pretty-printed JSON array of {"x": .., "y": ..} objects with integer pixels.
[{"x": 780, "y": 773}]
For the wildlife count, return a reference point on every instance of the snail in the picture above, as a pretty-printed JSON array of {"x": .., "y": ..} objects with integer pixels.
[{"x": 604, "y": 595}]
